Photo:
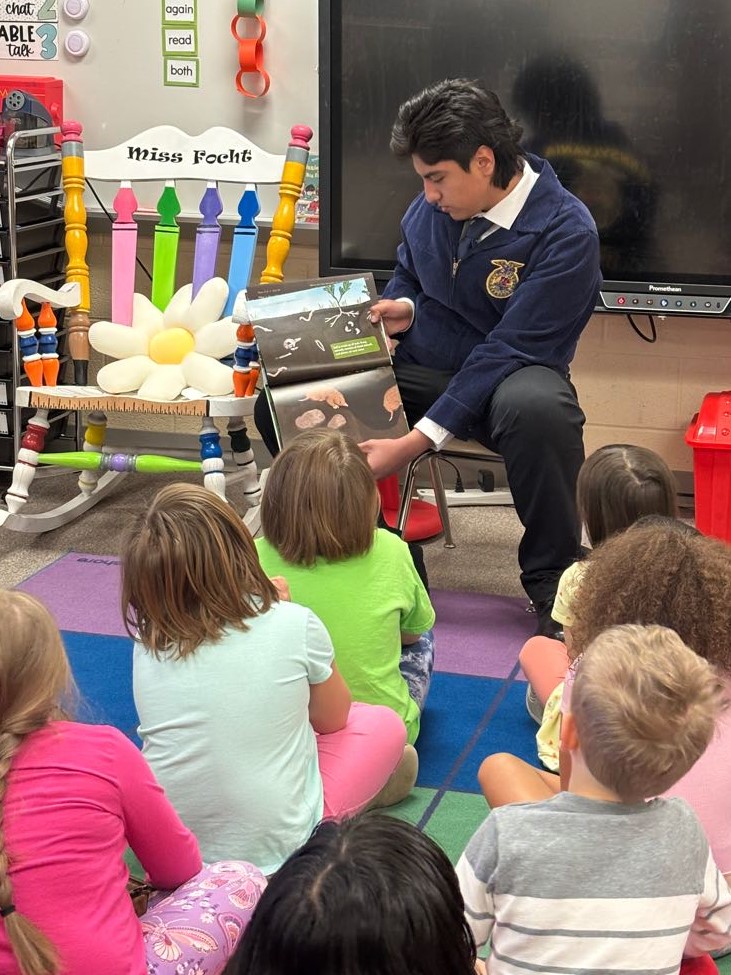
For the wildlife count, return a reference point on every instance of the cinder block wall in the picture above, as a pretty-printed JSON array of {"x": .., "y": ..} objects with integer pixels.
[{"x": 631, "y": 391}]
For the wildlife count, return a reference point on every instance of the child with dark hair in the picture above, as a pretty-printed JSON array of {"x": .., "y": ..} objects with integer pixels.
[
  {"x": 617, "y": 485},
  {"x": 318, "y": 519},
  {"x": 665, "y": 574},
  {"x": 372, "y": 896},
  {"x": 244, "y": 716},
  {"x": 603, "y": 877}
]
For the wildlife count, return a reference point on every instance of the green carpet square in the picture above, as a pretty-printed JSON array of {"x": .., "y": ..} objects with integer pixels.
[
  {"x": 455, "y": 820},
  {"x": 413, "y": 807}
]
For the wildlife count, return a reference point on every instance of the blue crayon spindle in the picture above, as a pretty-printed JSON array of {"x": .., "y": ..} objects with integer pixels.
[
  {"x": 207, "y": 238},
  {"x": 212, "y": 458},
  {"x": 243, "y": 246}
]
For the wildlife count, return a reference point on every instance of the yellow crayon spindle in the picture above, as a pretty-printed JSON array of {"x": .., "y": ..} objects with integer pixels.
[
  {"x": 72, "y": 174},
  {"x": 293, "y": 176}
]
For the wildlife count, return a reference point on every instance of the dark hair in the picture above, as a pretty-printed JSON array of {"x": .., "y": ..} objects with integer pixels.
[
  {"x": 369, "y": 896},
  {"x": 451, "y": 120},
  {"x": 620, "y": 483}
]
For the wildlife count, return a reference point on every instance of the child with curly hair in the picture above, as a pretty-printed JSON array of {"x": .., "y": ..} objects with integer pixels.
[
  {"x": 617, "y": 485},
  {"x": 659, "y": 573}
]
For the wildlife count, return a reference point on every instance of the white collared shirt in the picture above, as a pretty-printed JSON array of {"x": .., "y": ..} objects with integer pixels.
[{"x": 503, "y": 214}]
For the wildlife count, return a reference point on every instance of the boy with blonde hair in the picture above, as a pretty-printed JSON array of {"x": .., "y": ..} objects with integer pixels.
[{"x": 604, "y": 877}]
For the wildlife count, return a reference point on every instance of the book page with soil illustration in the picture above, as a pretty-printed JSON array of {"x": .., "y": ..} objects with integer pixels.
[{"x": 325, "y": 363}]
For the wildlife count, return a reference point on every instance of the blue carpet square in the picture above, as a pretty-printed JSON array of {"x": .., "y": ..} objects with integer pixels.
[
  {"x": 454, "y": 709},
  {"x": 511, "y": 729},
  {"x": 102, "y": 669}
]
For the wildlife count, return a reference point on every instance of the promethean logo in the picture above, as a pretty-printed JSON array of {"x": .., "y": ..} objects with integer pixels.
[{"x": 667, "y": 287}]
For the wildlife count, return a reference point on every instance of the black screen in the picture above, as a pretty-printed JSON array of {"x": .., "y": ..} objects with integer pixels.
[{"x": 630, "y": 101}]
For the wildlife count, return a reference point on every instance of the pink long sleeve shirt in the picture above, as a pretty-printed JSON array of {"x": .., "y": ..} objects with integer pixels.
[{"x": 77, "y": 796}]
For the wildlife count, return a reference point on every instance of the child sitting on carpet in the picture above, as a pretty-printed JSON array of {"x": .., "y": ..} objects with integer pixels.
[
  {"x": 373, "y": 896},
  {"x": 72, "y": 797},
  {"x": 617, "y": 485},
  {"x": 598, "y": 878},
  {"x": 244, "y": 717},
  {"x": 667, "y": 574},
  {"x": 318, "y": 519}
]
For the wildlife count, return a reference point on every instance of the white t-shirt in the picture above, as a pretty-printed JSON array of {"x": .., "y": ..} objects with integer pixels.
[{"x": 227, "y": 733}]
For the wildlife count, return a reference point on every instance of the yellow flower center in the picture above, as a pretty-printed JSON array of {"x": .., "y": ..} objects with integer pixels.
[{"x": 170, "y": 346}]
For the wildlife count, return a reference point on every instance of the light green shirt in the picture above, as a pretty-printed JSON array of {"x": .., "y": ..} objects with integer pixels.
[
  {"x": 226, "y": 731},
  {"x": 365, "y": 602}
]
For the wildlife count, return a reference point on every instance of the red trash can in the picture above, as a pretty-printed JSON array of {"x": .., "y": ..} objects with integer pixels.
[{"x": 709, "y": 434}]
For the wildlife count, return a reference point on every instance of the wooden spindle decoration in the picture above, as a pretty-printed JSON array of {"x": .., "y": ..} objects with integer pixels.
[
  {"x": 120, "y": 462},
  {"x": 48, "y": 344},
  {"x": 32, "y": 444},
  {"x": 124, "y": 254},
  {"x": 243, "y": 457},
  {"x": 293, "y": 176},
  {"x": 28, "y": 347},
  {"x": 94, "y": 436},
  {"x": 212, "y": 458},
  {"x": 246, "y": 361},
  {"x": 72, "y": 175}
]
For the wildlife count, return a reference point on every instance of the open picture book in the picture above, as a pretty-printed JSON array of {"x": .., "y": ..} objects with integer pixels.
[{"x": 325, "y": 364}]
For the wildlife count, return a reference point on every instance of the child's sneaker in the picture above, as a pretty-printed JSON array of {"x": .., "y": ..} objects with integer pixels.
[{"x": 401, "y": 782}]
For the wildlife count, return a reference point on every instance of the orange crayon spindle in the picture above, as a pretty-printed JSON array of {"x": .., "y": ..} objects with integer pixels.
[
  {"x": 246, "y": 360},
  {"x": 28, "y": 346},
  {"x": 72, "y": 173},
  {"x": 48, "y": 344},
  {"x": 293, "y": 176}
]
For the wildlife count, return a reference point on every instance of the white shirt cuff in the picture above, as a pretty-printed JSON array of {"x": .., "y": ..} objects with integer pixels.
[
  {"x": 438, "y": 435},
  {"x": 412, "y": 306}
]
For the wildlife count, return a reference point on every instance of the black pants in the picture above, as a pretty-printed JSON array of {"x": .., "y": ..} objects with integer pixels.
[{"x": 534, "y": 421}]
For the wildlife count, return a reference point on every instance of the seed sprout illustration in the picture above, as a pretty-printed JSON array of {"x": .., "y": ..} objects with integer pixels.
[{"x": 337, "y": 293}]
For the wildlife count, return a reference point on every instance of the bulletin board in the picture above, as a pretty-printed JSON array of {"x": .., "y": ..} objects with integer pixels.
[{"x": 125, "y": 84}]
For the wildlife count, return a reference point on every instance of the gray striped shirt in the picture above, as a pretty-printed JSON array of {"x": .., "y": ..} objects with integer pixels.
[{"x": 582, "y": 887}]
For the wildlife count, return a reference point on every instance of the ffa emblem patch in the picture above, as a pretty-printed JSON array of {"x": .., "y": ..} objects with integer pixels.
[{"x": 501, "y": 282}]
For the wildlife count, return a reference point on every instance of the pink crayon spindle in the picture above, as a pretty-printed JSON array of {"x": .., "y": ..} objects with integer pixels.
[
  {"x": 48, "y": 344},
  {"x": 124, "y": 254},
  {"x": 28, "y": 346},
  {"x": 207, "y": 238}
]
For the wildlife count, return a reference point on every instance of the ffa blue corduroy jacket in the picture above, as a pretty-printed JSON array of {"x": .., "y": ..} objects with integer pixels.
[{"x": 522, "y": 296}]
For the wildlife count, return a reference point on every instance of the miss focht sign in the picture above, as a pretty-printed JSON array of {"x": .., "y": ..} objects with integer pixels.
[{"x": 166, "y": 152}]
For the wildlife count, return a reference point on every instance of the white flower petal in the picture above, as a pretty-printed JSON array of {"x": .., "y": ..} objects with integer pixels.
[
  {"x": 208, "y": 375},
  {"x": 164, "y": 383},
  {"x": 178, "y": 307},
  {"x": 118, "y": 341},
  {"x": 216, "y": 339},
  {"x": 145, "y": 315},
  {"x": 126, "y": 375},
  {"x": 207, "y": 306}
]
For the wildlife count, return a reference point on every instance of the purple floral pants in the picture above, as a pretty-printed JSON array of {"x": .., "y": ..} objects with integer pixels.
[{"x": 194, "y": 930}]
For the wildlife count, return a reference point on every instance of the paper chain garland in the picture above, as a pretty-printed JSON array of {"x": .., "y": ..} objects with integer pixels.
[{"x": 251, "y": 49}]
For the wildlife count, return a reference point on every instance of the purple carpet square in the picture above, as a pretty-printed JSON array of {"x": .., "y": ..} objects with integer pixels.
[
  {"x": 82, "y": 592},
  {"x": 478, "y": 634}
]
